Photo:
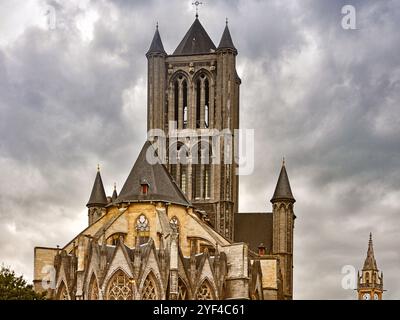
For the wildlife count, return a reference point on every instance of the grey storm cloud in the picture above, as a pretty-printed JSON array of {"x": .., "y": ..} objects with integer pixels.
[{"x": 325, "y": 98}]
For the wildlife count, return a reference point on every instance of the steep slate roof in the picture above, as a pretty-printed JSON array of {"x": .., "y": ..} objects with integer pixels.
[
  {"x": 283, "y": 190},
  {"x": 254, "y": 228},
  {"x": 370, "y": 262},
  {"x": 195, "y": 41},
  {"x": 98, "y": 196},
  {"x": 226, "y": 40},
  {"x": 161, "y": 185},
  {"x": 156, "y": 45}
]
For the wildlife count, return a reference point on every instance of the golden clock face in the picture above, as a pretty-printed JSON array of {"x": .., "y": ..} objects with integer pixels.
[
  {"x": 376, "y": 297},
  {"x": 366, "y": 296}
]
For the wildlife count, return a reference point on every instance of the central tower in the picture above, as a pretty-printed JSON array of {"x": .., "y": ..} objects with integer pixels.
[{"x": 196, "y": 89}]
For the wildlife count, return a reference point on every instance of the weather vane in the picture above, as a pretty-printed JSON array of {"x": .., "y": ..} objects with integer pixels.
[{"x": 197, "y": 3}]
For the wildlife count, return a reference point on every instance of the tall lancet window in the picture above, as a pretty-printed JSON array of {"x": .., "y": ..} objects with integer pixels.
[
  {"x": 185, "y": 104},
  {"x": 176, "y": 101},
  {"x": 197, "y": 173},
  {"x": 207, "y": 158},
  {"x": 183, "y": 154},
  {"x": 207, "y": 103},
  {"x": 198, "y": 103}
]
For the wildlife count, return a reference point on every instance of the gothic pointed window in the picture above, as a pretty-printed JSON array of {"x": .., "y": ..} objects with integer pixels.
[
  {"x": 119, "y": 287},
  {"x": 204, "y": 292},
  {"x": 185, "y": 104},
  {"x": 183, "y": 158},
  {"x": 93, "y": 289},
  {"x": 176, "y": 101},
  {"x": 182, "y": 290},
  {"x": 174, "y": 223},
  {"x": 207, "y": 103},
  {"x": 149, "y": 291},
  {"x": 142, "y": 229},
  {"x": 198, "y": 101},
  {"x": 62, "y": 292}
]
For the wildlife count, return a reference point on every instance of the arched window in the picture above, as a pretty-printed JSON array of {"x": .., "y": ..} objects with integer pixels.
[
  {"x": 149, "y": 291},
  {"x": 198, "y": 101},
  {"x": 206, "y": 103},
  {"x": 202, "y": 171},
  {"x": 185, "y": 104},
  {"x": 93, "y": 289},
  {"x": 205, "y": 292},
  {"x": 183, "y": 160},
  {"x": 142, "y": 229},
  {"x": 180, "y": 93},
  {"x": 182, "y": 290},
  {"x": 176, "y": 101},
  {"x": 202, "y": 101},
  {"x": 174, "y": 223},
  {"x": 119, "y": 287}
]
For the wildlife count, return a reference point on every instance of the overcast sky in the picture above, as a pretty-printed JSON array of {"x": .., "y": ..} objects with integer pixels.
[{"x": 73, "y": 94}]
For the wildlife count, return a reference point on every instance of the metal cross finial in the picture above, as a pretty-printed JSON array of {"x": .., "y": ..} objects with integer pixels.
[
  {"x": 197, "y": 3},
  {"x": 98, "y": 167},
  {"x": 226, "y": 21}
]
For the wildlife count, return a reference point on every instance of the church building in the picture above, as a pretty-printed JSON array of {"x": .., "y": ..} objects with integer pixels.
[{"x": 174, "y": 230}]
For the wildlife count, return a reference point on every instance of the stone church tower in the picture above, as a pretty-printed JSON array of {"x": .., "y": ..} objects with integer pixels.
[
  {"x": 370, "y": 282},
  {"x": 174, "y": 230},
  {"x": 196, "y": 89}
]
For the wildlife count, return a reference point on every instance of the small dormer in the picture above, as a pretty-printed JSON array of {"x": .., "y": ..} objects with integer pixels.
[{"x": 144, "y": 187}]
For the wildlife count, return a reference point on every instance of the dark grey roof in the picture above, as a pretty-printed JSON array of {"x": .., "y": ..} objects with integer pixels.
[
  {"x": 370, "y": 262},
  {"x": 98, "y": 196},
  {"x": 283, "y": 190},
  {"x": 226, "y": 40},
  {"x": 161, "y": 185},
  {"x": 156, "y": 45},
  {"x": 254, "y": 228},
  {"x": 195, "y": 41}
]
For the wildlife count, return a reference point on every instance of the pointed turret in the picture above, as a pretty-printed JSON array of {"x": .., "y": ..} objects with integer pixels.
[
  {"x": 98, "y": 196},
  {"x": 283, "y": 223},
  {"x": 156, "y": 45},
  {"x": 196, "y": 41},
  {"x": 226, "y": 40},
  {"x": 115, "y": 194},
  {"x": 283, "y": 190},
  {"x": 370, "y": 262},
  {"x": 370, "y": 282}
]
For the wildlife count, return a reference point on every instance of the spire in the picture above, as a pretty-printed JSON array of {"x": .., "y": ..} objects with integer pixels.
[
  {"x": 98, "y": 196},
  {"x": 370, "y": 262},
  {"x": 195, "y": 41},
  {"x": 156, "y": 45},
  {"x": 226, "y": 39},
  {"x": 283, "y": 190},
  {"x": 115, "y": 194}
]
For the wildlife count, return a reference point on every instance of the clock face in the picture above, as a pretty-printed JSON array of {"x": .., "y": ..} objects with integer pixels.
[
  {"x": 376, "y": 297},
  {"x": 366, "y": 296}
]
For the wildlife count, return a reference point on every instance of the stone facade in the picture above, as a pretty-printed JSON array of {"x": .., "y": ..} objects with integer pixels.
[{"x": 171, "y": 232}]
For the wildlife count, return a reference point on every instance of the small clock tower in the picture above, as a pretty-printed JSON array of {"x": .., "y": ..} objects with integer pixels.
[{"x": 370, "y": 282}]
